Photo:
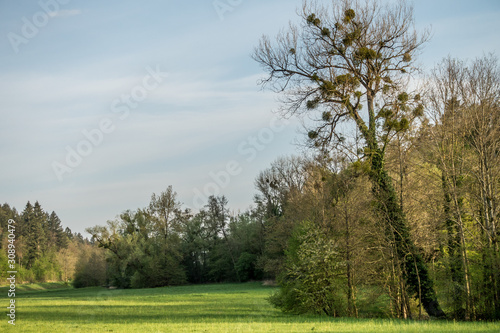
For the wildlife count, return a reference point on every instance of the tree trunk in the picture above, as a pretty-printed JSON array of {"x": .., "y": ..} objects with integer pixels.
[
  {"x": 469, "y": 306},
  {"x": 454, "y": 243},
  {"x": 491, "y": 266},
  {"x": 352, "y": 311},
  {"x": 413, "y": 266}
]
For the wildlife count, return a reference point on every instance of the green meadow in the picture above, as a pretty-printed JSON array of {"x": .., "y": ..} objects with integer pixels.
[{"x": 198, "y": 308}]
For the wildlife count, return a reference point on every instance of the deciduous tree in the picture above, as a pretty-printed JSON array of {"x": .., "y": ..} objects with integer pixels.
[{"x": 341, "y": 60}]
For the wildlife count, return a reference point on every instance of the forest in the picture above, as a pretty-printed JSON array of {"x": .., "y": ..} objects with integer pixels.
[{"x": 395, "y": 199}]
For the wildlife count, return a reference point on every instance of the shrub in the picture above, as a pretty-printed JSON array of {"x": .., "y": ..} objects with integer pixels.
[{"x": 313, "y": 278}]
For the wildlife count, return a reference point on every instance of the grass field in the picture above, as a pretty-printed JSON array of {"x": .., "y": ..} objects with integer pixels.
[{"x": 201, "y": 308}]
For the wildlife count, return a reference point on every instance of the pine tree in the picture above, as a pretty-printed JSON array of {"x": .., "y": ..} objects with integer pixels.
[
  {"x": 28, "y": 218},
  {"x": 34, "y": 219},
  {"x": 57, "y": 237},
  {"x": 69, "y": 233},
  {"x": 39, "y": 228}
]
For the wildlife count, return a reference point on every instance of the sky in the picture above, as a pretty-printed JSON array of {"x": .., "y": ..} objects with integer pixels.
[{"x": 105, "y": 102}]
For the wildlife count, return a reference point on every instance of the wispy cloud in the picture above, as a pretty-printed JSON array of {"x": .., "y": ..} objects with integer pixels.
[{"x": 65, "y": 13}]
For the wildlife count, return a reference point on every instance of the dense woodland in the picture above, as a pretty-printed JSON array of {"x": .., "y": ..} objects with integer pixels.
[
  {"x": 44, "y": 250},
  {"x": 393, "y": 209}
]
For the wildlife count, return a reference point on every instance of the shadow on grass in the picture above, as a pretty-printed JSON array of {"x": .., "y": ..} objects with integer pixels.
[
  {"x": 187, "y": 290},
  {"x": 192, "y": 305},
  {"x": 174, "y": 314}
]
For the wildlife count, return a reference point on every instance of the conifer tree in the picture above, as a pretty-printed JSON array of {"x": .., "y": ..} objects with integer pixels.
[
  {"x": 57, "y": 236},
  {"x": 28, "y": 217}
]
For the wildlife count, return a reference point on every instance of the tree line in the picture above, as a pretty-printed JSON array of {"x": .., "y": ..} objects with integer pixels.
[
  {"x": 44, "y": 250},
  {"x": 164, "y": 244}
]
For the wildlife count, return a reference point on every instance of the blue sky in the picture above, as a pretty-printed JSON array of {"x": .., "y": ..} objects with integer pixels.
[{"x": 172, "y": 90}]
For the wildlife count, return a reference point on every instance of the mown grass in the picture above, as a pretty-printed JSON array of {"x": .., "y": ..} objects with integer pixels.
[
  {"x": 201, "y": 308},
  {"x": 41, "y": 286}
]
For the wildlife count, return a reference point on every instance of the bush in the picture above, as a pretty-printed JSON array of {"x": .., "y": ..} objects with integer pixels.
[
  {"x": 91, "y": 269},
  {"x": 313, "y": 278},
  {"x": 246, "y": 267},
  {"x": 46, "y": 268}
]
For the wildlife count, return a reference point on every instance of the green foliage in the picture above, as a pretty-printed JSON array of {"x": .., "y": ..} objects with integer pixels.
[
  {"x": 360, "y": 167},
  {"x": 403, "y": 97},
  {"x": 348, "y": 40},
  {"x": 313, "y": 20},
  {"x": 55, "y": 232},
  {"x": 139, "y": 263},
  {"x": 39, "y": 242},
  {"x": 26, "y": 275},
  {"x": 246, "y": 266},
  {"x": 350, "y": 37},
  {"x": 46, "y": 268},
  {"x": 158, "y": 270},
  {"x": 418, "y": 111},
  {"x": 327, "y": 89},
  {"x": 385, "y": 113},
  {"x": 327, "y": 116},
  {"x": 90, "y": 269},
  {"x": 403, "y": 125},
  {"x": 365, "y": 53},
  {"x": 312, "y": 135},
  {"x": 4, "y": 265},
  {"x": 313, "y": 103},
  {"x": 347, "y": 80},
  {"x": 349, "y": 15},
  {"x": 313, "y": 275},
  {"x": 165, "y": 246}
]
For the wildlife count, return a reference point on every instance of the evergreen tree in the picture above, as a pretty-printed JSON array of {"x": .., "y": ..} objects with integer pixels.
[
  {"x": 69, "y": 234},
  {"x": 39, "y": 227},
  {"x": 28, "y": 218},
  {"x": 57, "y": 236},
  {"x": 7, "y": 213}
]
